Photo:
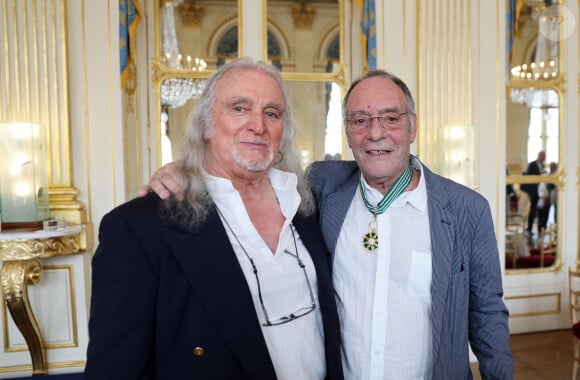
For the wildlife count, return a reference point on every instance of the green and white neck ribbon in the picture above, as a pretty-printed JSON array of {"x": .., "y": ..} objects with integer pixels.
[{"x": 371, "y": 239}]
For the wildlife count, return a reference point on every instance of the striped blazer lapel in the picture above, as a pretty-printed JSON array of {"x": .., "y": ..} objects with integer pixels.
[
  {"x": 442, "y": 230},
  {"x": 333, "y": 211}
]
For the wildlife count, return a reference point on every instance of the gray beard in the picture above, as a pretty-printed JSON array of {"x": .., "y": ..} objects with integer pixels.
[{"x": 253, "y": 165}]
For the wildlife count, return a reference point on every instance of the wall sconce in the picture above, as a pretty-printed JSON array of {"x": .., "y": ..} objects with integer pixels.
[
  {"x": 457, "y": 153},
  {"x": 23, "y": 175}
]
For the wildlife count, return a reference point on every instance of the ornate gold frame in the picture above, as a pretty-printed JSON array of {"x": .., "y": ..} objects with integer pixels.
[{"x": 558, "y": 85}]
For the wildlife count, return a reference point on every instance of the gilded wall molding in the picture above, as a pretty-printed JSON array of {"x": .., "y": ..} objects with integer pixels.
[
  {"x": 303, "y": 16},
  {"x": 556, "y": 310},
  {"x": 191, "y": 13}
]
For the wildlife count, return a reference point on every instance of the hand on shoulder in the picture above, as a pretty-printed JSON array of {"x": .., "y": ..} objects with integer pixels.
[{"x": 167, "y": 181}]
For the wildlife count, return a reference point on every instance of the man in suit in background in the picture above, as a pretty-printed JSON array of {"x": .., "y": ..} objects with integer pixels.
[
  {"x": 535, "y": 167},
  {"x": 416, "y": 266}
]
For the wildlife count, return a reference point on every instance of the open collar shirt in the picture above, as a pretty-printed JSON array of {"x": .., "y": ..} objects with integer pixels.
[
  {"x": 297, "y": 347},
  {"x": 384, "y": 298}
]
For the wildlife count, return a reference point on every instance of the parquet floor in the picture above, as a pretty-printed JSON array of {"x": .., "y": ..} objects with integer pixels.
[{"x": 541, "y": 356}]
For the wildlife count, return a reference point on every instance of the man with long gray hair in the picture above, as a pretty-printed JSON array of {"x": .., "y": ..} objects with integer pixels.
[{"x": 232, "y": 282}]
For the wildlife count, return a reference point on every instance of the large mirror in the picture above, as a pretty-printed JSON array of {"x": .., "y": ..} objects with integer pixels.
[
  {"x": 533, "y": 142},
  {"x": 319, "y": 130},
  {"x": 303, "y": 40},
  {"x": 304, "y": 35}
]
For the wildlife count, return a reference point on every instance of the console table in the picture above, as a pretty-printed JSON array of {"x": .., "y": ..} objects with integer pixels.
[{"x": 20, "y": 253}]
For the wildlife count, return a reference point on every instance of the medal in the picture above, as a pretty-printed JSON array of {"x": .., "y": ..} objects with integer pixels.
[{"x": 370, "y": 240}]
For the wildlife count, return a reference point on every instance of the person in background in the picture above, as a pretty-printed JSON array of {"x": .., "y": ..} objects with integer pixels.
[
  {"x": 511, "y": 197},
  {"x": 415, "y": 260},
  {"x": 553, "y": 191},
  {"x": 535, "y": 167},
  {"x": 232, "y": 282}
]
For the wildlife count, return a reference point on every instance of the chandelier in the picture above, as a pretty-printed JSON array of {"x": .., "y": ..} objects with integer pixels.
[
  {"x": 175, "y": 92},
  {"x": 542, "y": 70},
  {"x": 534, "y": 97},
  {"x": 531, "y": 96},
  {"x": 545, "y": 66}
]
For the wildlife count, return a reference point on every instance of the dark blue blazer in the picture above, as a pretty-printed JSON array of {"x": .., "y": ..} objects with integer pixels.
[
  {"x": 171, "y": 302},
  {"x": 466, "y": 288}
]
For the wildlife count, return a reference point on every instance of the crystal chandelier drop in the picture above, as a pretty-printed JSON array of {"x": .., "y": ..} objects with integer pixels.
[
  {"x": 544, "y": 68},
  {"x": 534, "y": 97},
  {"x": 175, "y": 92}
]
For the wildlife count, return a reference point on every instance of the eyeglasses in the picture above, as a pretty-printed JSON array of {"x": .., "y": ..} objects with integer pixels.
[
  {"x": 390, "y": 121},
  {"x": 292, "y": 316},
  {"x": 298, "y": 313}
]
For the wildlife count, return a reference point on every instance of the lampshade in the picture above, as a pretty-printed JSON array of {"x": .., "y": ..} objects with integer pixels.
[{"x": 23, "y": 175}]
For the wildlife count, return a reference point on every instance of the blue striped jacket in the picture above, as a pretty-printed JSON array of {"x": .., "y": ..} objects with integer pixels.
[{"x": 466, "y": 290}]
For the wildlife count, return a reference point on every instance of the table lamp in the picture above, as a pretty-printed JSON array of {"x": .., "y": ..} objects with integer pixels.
[{"x": 23, "y": 175}]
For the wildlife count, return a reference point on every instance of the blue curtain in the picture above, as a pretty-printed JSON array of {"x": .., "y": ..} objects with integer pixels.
[
  {"x": 513, "y": 15},
  {"x": 368, "y": 32},
  {"x": 129, "y": 17}
]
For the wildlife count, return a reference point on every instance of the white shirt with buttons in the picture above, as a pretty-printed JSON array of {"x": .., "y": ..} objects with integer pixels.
[
  {"x": 383, "y": 298},
  {"x": 297, "y": 347}
]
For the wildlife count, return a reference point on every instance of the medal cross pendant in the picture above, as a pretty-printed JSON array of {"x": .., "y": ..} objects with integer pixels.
[{"x": 370, "y": 240}]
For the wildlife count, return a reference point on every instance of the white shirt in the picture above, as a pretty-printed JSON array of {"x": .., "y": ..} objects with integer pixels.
[
  {"x": 384, "y": 298},
  {"x": 297, "y": 347}
]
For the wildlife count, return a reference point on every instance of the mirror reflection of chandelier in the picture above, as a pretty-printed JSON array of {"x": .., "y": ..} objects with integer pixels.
[
  {"x": 534, "y": 97},
  {"x": 175, "y": 92},
  {"x": 542, "y": 70},
  {"x": 545, "y": 66}
]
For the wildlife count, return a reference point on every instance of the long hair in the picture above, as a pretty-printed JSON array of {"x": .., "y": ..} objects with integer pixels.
[
  {"x": 410, "y": 103},
  {"x": 200, "y": 127}
]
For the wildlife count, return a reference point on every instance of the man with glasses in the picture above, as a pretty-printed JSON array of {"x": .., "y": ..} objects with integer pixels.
[
  {"x": 415, "y": 263},
  {"x": 415, "y": 259},
  {"x": 232, "y": 282}
]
